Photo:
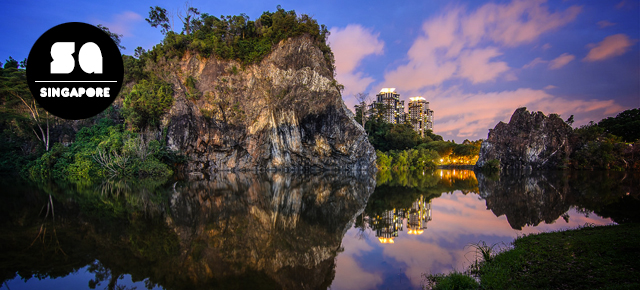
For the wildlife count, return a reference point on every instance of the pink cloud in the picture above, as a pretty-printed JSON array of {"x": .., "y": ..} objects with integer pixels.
[
  {"x": 122, "y": 23},
  {"x": 482, "y": 111},
  {"x": 611, "y": 46},
  {"x": 350, "y": 45},
  {"x": 475, "y": 65},
  {"x": 546, "y": 46},
  {"x": 536, "y": 61},
  {"x": 454, "y": 43},
  {"x": 523, "y": 21},
  {"x": 561, "y": 61},
  {"x": 605, "y": 23}
]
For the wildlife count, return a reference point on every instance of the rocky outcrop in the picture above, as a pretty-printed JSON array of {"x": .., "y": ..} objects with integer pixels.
[
  {"x": 284, "y": 113},
  {"x": 528, "y": 141}
]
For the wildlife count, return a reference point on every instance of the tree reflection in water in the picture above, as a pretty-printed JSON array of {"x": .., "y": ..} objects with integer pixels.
[
  {"x": 263, "y": 230},
  {"x": 525, "y": 199},
  {"x": 232, "y": 230}
]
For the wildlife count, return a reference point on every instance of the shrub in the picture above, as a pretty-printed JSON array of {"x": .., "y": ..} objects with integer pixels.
[
  {"x": 452, "y": 281},
  {"x": 147, "y": 102}
]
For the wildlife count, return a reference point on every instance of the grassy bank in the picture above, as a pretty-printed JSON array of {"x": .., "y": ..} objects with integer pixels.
[{"x": 606, "y": 257}]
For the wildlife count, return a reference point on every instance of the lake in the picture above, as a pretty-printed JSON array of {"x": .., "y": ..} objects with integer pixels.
[{"x": 285, "y": 230}]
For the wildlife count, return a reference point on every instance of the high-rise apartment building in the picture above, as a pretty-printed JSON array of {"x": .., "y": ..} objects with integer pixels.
[
  {"x": 420, "y": 115},
  {"x": 389, "y": 101}
]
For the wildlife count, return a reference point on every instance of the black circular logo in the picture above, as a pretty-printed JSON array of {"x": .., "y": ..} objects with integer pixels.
[{"x": 75, "y": 70}]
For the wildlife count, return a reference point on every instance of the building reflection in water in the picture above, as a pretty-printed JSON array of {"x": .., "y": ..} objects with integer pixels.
[
  {"x": 390, "y": 222},
  {"x": 418, "y": 216}
]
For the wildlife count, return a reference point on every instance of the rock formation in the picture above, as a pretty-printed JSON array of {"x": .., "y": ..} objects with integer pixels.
[
  {"x": 528, "y": 141},
  {"x": 284, "y": 113}
]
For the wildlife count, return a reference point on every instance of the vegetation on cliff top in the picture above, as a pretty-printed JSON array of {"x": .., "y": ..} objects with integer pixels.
[{"x": 228, "y": 37}]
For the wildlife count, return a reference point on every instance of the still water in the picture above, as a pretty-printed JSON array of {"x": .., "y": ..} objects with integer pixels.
[{"x": 281, "y": 230}]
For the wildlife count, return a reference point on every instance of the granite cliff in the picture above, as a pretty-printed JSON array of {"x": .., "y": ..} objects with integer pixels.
[
  {"x": 285, "y": 112},
  {"x": 530, "y": 140}
]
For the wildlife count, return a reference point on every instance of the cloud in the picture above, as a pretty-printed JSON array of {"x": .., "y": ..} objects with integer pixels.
[
  {"x": 561, "y": 61},
  {"x": 546, "y": 46},
  {"x": 475, "y": 65},
  {"x": 349, "y": 274},
  {"x": 556, "y": 63},
  {"x": 123, "y": 22},
  {"x": 536, "y": 61},
  {"x": 522, "y": 21},
  {"x": 549, "y": 87},
  {"x": 482, "y": 111},
  {"x": 461, "y": 45},
  {"x": 611, "y": 46},
  {"x": 350, "y": 45},
  {"x": 605, "y": 23}
]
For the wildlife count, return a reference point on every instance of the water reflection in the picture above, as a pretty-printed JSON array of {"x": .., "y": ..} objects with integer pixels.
[
  {"x": 276, "y": 230},
  {"x": 390, "y": 222},
  {"x": 270, "y": 230},
  {"x": 457, "y": 208},
  {"x": 528, "y": 200}
]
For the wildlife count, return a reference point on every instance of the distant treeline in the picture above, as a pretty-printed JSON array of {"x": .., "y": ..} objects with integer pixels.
[{"x": 398, "y": 146}]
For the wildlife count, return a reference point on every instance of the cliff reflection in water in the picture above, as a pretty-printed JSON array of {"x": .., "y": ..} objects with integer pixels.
[
  {"x": 525, "y": 200},
  {"x": 528, "y": 200},
  {"x": 270, "y": 230}
]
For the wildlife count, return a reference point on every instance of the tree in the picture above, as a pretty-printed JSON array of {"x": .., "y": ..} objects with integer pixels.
[
  {"x": 35, "y": 116},
  {"x": 158, "y": 17},
  {"x": 14, "y": 92},
  {"x": 187, "y": 20},
  {"x": 10, "y": 63},
  {"x": 362, "y": 100},
  {"x": 570, "y": 120},
  {"x": 147, "y": 101},
  {"x": 114, "y": 36},
  {"x": 625, "y": 125}
]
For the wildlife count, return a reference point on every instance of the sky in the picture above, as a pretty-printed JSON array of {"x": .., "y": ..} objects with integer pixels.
[{"x": 476, "y": 62}]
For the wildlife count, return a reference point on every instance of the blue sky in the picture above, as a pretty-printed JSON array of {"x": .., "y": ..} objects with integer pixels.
[{"x": 475, "y": 61}]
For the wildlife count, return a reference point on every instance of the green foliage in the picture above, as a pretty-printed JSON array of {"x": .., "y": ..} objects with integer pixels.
[
  {"x": 147, "y": 102},
  {"x": 192, "y": 92},
  {"x": 18, "y": 143},
  {"x": 385, "y": 136},
  {"x": 625, "y": 125},
  {"x": 597, "y": 149},
  {"x": 101, "y": 151},
  {"x": 236, "y": 37},
  {"x": 492, "y": 165},
  {"x": 10, "y": 63},
  {"x": 133, "y": 69},
  {"x": 158, "y": 17},
  {"x": 412, "y": 159},
  {"x": 452, "y": 281}
]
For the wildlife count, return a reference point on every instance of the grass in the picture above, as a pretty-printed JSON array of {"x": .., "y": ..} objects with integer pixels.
[{"x": 606, "y": 257}]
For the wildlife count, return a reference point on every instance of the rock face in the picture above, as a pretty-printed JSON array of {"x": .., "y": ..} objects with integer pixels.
[
  {"x": 284, "y": 113},
  {"x": 529, "y": 141}
]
